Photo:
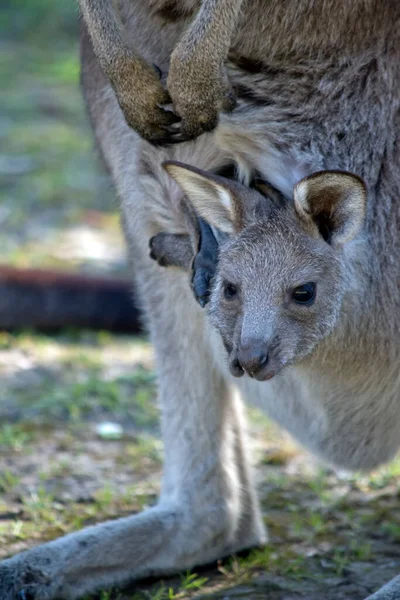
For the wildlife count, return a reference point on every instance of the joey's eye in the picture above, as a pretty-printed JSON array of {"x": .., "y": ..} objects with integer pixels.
[
  {"x": 230, "y": 291},
  {"x": 305, "y": 294}
]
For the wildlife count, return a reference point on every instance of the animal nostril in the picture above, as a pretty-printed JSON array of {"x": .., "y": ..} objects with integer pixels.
[
  {"x": 258, "y": 364},
  {"x": 236, "y": 368},
  {"x": 252, "y": 361}
]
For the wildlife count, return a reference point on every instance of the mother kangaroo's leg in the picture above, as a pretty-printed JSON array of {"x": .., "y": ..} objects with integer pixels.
[{"x": 208, "y": 507}]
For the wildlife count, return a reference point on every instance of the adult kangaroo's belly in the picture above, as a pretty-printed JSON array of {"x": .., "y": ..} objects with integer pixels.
[
  {"x": 304, "y": 29},
  {"x": 353, "y": 424},
  {"x": 271, "y": 31}
]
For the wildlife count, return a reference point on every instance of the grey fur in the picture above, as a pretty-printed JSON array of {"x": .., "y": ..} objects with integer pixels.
[
  {"x": 321, "y": 91},
  {"x": 273, "y": 250},
  {"x": 197, "y": 80}
]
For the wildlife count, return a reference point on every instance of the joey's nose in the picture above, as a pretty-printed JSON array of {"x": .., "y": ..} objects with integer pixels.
[{"x": 253, "y": 358}]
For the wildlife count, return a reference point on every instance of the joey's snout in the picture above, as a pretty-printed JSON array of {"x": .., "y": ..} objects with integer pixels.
[{"x": 252, "y": 358}]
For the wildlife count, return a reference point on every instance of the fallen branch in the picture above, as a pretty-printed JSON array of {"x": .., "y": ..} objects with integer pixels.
[{"x": 51, "y": 300}]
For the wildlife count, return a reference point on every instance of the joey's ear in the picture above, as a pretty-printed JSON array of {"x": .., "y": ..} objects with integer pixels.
[
  {"x": 333, "y": 204},
  {"x": 213, "y": 198}
]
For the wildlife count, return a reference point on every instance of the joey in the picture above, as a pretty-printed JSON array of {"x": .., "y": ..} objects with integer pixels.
[{"x": 280, "y": 279}]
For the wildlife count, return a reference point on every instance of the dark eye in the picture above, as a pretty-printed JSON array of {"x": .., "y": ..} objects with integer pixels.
[
  {"x": 230, "y": 291},
  {"x": 304, "y": 294}
]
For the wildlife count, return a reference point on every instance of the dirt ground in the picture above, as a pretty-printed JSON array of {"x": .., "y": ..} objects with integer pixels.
[{"x": 332, "y": 536}]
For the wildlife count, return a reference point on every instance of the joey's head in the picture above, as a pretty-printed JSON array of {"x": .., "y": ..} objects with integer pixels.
[{"x": 280, "y": 278}]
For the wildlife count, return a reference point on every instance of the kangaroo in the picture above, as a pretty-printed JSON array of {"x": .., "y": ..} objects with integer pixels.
[
  {"x": 197, "y": 82},
  {"x": 317, "y": 88}
]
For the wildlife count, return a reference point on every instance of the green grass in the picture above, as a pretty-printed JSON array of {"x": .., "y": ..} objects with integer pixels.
[
  {"x": 50, "y": 180},
  {"x": 14, "y": 437},
  {"x": 319, "y": 526},
  {"x": 74, "y": 381}
]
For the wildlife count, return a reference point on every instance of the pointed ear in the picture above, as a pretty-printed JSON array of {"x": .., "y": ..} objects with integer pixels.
[
  {"x": 333, "y": 204},
  {"x": 212, "y": 197}
]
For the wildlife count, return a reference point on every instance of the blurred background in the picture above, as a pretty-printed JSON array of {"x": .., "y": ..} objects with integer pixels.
[
  {"x": 78, "y": 419},
  {"x": 79, "y": 432},
  {"x": 56, "y": 209}
]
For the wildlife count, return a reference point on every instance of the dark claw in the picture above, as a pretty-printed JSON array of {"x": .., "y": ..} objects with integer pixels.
[
  {"x": 161, "y": 142},
  {"x": 157, "y": 70},
  {"x": 173, "y": 117},
  {"x": 172, "y": 129},
  {"x": 181, "y": 136},
  {"x": 177, "y": 138},
  {"x": 25, "y": 595},
  {"x": 168, "y": 140}
]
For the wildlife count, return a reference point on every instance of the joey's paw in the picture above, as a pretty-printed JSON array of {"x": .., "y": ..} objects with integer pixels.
[
  {"x": 159, "y": 250},
  {"x": 172, "y": 250},
  {"x": 163, "y": 251},
  {"x": 199, "y": 93},
  {"x": 145, "y": 103}
]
